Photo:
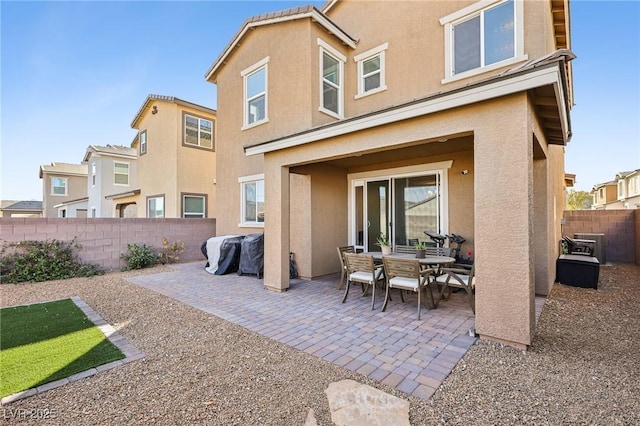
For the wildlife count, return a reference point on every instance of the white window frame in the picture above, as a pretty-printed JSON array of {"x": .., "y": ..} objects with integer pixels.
[
  {"x": 93, "y": 174},
  {"x": 128, "y": 173},
  {"x": 157, "y": 197},
  {"x": 193, "y": 214},
  {"x": 199, "y": 130},
  {"x": 244, "y": 180},
  {"x": 53, "y": 186},
  {"x": 361, "y": 59},
  {"x": 472, "y": 11},
  {"x": 326, "y": 48},
  {"x": 143, "y": 142},
  {"x": 622, "y": 193},
  {"x": 246, "y": 73}
]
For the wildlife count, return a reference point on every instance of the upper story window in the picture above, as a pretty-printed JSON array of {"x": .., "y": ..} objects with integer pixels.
[
  {"x": 332, "y": 80},
  {"x": 59, "y": 186},
  {"x": 198, "y": 131},
  {"x": 634, "y": 185},
  {"x": 194, "y": 206},
  {"x": 155, "y": 206},
  {"x": 252, "y": 200},
  {"x": 143, "y": 142},
  {"x": 601, "y": 193},
  {"x": 484, "y": 36},
  {"x": 93, "y": 174},
  {"x": 255, "y": 93},
  {"x": 120, "y": 173},
  {"x": 371, "y": 71},
  {"x": 621, "y": 192}
]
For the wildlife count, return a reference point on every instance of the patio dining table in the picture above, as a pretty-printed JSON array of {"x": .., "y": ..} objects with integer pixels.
[{"x": 425, "y": 261}]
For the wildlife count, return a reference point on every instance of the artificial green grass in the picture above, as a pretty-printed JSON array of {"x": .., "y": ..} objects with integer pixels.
[{"x": 44, "y": 342}]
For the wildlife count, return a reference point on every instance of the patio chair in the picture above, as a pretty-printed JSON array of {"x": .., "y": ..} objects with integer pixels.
[
  {"x": 361, "y": 269},
  {"x": 406, "y": 274},
  {"x": 343, "y": 265},
  {"x": 579, "y": 247},
  {"x": 456, "y": 278},
  {"x": 405, "y": 249}
]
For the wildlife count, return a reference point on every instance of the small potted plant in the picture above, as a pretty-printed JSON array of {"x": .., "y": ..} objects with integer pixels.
[
  {"x": 420, "y": 250},
  {"x": 385, "y": 245}
]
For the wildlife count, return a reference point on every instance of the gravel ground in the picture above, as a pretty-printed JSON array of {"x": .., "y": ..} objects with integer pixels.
[{"x": 583, "y": 366}]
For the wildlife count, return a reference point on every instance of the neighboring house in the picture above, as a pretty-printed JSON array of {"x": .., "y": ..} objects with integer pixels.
[
  {"x": 176, "y": 146},
  {"x": 620, "y": 194},
  {"x": 75, "y": 208},
  {"x": 112, "y": 169},
  {"x": 332, "y": 121},
  {"x": 12, "y": 208},
  {"x": 61, "y": 183}
]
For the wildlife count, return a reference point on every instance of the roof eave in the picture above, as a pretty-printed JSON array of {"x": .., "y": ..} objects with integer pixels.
[{"x": 314, "y": 14}]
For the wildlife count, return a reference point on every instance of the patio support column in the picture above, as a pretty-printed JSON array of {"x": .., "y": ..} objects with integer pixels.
[
  {"x": 276, "y": 230},
  {"x": 504, "y": 249},
  {"x": 543, "y": 226}
]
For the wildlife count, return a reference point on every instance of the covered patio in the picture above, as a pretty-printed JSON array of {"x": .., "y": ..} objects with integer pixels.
[{"x": 391, "y": 347}]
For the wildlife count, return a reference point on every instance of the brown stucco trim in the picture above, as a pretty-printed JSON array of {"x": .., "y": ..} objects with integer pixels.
[
  {"x": 206, "y": 202},
  {"x": 213, "y": 132},
  {"x": 122, "y": 194}
]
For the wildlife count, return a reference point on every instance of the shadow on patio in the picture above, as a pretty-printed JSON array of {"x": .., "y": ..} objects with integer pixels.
[{"x": 391, "y": 347}]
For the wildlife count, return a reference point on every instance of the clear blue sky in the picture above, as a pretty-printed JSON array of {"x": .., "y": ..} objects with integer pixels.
[{"x": 76, "y": 73}]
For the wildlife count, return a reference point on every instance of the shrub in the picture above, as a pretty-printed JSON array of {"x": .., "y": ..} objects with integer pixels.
[
  {"x": 139, "y": 257},
  {"x": 35, "y": 261},
  {"x": 170, "y": 251}
]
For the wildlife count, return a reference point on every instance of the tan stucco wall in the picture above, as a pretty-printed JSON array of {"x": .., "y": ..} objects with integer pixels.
[
  {"x": 76, "y": 188},
  {"x": 415, "y": 57},
  {"x": 168, "y": 168}
]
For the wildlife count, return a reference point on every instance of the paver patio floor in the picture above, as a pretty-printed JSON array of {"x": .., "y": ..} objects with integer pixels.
[{"x": 392, "y": 347}]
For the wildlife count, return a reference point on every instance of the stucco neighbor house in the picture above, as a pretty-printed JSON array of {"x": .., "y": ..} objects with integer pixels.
[
  {"x": 176, "y": 166},
  {"x": 621, "y": 193},
  {"x": 61, "y": 183},
  {"x": 336, "y": 123},
  {"x": 112, "y": 170}
]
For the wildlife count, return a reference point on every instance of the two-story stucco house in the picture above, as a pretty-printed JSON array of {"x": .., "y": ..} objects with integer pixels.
[
  {"x": 359, "y": 118},
  {"x": 176, "y": 166},
  {"x": 63, "y": 183},
  {"x": 111, "y": 170},
  {"x": 621, "y": 193}
]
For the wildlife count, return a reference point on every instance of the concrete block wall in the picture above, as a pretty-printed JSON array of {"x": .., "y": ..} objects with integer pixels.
[
  {"x": 637, "y": 224},
  {"x": 620, "y": 227},
  {"x": 104, "y": 240}
]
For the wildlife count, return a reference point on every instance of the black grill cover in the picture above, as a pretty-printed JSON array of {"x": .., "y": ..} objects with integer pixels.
[
  {"x": 252, "y": 255},
  {"x": 229, "y": 255}
]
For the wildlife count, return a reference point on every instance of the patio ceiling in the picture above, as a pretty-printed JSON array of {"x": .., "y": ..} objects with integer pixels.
[{"x": 414, "y": 152}]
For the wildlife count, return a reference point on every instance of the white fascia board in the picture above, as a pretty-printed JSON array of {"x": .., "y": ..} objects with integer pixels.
[
  {"x": 319, "y": 18},
  {"x": 506, "y": 86}
]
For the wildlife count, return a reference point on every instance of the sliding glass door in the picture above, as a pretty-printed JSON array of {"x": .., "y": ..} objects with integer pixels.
[{"x": 401, "y": 207}]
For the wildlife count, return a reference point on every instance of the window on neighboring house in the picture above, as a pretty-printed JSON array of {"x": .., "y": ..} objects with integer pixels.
[
  {"x": 58, "y": 186},
  {"x": 601, "y": 193},
  {"x": 371, "y": 71},
  {"x": 155, "y": 206},
  {"x": 255, "y": 93},
  {"x": 198, "y": 131},
  {"x": 120, "y": 173},
  {"x": 93, "y": 174},
  {"x": 482, "y": 37},
  {"x": 252, "y": 188},
  {"x": 621, "y": 191},
  {"x": 331, "y": 81},
  {"x": 143, "y": 142},
  {"x": 194, "y": 206}
]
